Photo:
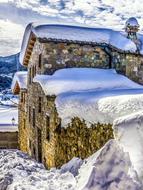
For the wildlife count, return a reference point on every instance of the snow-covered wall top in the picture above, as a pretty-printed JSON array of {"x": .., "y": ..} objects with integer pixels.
[
  {"x": 20, "y": 77},
  {"x": 89, "y": 92},
  {"x": 83, "y": 79},
  {"x": 77, "y": 33}
]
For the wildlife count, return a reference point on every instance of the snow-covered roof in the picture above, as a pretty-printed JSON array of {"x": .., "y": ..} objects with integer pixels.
[
  {"x": 74, "y": 33},
  {"x": 19, "y": 80},
  {"x": 132, "y": 22}
]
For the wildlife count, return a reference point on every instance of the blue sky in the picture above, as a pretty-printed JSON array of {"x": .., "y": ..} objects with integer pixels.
[{"x": 16, "y": 14}]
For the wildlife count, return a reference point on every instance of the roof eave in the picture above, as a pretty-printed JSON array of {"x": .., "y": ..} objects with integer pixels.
[{"x": 29, "y": 49}]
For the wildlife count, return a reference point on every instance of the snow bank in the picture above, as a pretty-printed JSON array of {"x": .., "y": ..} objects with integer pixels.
[
  {"x": 72, "y": 166},
  {"x": 129, "y": 132},
  {"x": 81, "y": 79},
  {"x": 109, "y": 170},
  {"x": 77, "y": 33},
  {"x": 21, "y": 78}
]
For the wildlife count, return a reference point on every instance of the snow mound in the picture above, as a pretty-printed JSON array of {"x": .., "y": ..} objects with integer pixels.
[
  {"x": 76, "y": 33},
  {"x": 81, "y": 79},
  {"x": 108, "y": 171},
  {"x": 20, "y": 77},
  {"x": 129, "y": 132},
  {"x": 72, "y": 166}
]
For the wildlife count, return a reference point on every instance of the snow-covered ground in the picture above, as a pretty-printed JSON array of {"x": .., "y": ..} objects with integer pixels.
[{"x": 108, "y": 169}]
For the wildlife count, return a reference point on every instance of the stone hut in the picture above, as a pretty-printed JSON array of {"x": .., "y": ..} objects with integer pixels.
[
  {"x": 19, "y": 87},
  {"x": 47, "y": 49}
]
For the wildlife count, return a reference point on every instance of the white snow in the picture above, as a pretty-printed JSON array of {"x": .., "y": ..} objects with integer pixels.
[
  {"x": 109, "y": 169},
  {"x": 132, "y": 22},
  {"x": 94, "y": 95},
  {"x": 128, "y": 131},
  {"x": 72, "y": 166},
  {"x": 98, "y": 106},
  {"x": 81, "y": 79},
  {"x": 77, "y": 33},
  {"x": 20, "y": 77},
  {"x": 19, "y": 171}
]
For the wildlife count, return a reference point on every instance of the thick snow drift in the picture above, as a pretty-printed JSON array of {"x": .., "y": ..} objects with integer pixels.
[
  {"x": 81, "y": 79},
  {"x": 77, "y": 33},
  {"x": 129, "y": 132},
  {"x": 101, "y": 106},
  {"x": 20, "y": 77},
  {"x": 108, "y": 169}
]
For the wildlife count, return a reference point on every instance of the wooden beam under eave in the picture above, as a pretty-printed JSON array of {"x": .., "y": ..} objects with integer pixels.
[
  {"x": 30, "y": 47},
  {"x": 29, "y": 51},
  {"x": 31, "y": 43},
  {"x": 28, "y": 55},
  {"x": 25, "y": 63}
]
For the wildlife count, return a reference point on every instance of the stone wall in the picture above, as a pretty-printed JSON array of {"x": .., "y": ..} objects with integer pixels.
[
  {"x": 77, "y": 140},
  {"x": 59, "y": 145},
  {"x": 62, "y": 55},
  {"x": 134, "y": 68},
  {"x": 56, "y": 56},
  {"x": 22, "y": 122},
  {"x": 8, "y": 140}
]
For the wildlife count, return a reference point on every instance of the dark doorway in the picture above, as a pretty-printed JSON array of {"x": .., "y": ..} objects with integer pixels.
[{"x": 39, "y": 145}]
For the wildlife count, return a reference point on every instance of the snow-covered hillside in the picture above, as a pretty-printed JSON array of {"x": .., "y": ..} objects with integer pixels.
[
  {"x": 8, "y": 112},
  {"x": 8, "y": 66}
]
